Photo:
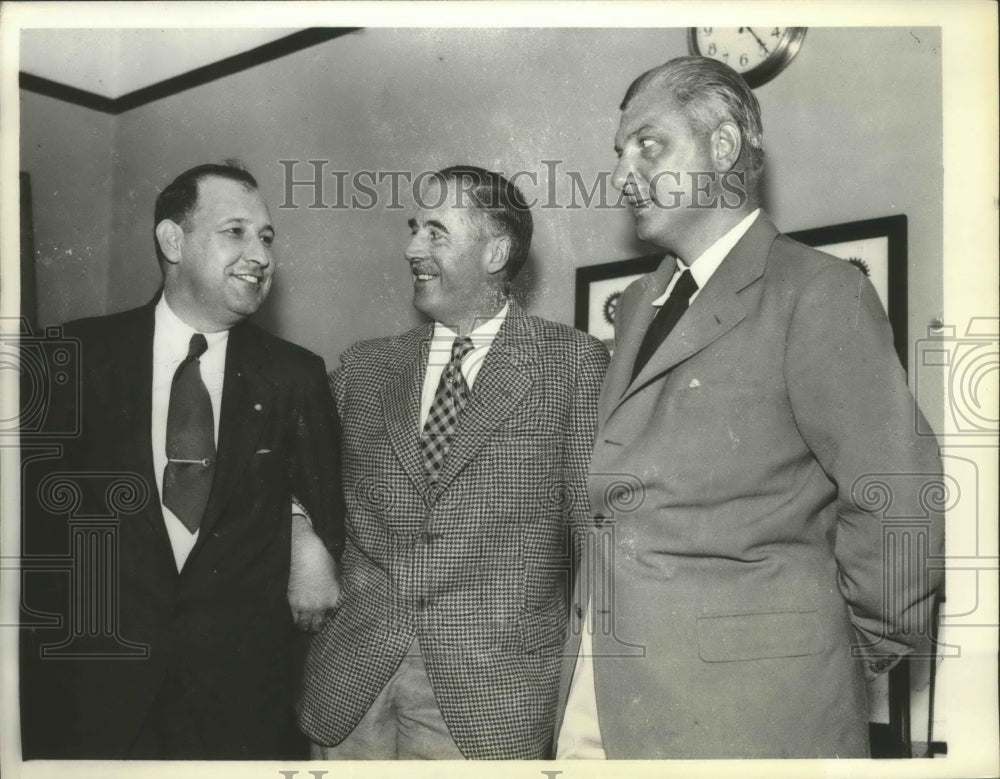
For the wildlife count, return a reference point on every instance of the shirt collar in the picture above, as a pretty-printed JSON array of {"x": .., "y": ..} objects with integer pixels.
[
  {"x": 482, "y": 336},
  {"x": 175, "y": 334},
  {"x": 709, "y": 260}
]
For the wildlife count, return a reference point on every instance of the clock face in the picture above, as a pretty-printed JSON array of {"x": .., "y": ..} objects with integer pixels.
[{"x": 757, "y": 53}]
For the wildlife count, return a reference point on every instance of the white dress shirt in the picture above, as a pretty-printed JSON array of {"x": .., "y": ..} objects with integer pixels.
[
  {"x": 703, "y": 268},
  {"x": 171, "y": 341},
  {"x": 580, "y": 734},
  {"x": 439, "y": 356}
]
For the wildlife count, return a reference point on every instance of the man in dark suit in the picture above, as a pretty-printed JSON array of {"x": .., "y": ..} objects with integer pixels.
[
  {"x": 211, "y": 425},
  {"x": 466, "y": 444},
  {"x": 757, "y": 404}
]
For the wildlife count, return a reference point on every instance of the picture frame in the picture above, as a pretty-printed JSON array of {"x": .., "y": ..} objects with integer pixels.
[
  {"x": 877, "y": 247},
  {"x": 598, "y": 289}
]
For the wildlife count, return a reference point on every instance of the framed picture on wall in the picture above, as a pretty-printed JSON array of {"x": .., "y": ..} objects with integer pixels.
[
  {"x": 600, "y": 287},
  {"x": 877, "y": 247}
]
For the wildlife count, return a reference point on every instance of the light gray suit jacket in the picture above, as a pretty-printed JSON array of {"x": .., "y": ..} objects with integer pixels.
[{"x": 777, "y": 484}]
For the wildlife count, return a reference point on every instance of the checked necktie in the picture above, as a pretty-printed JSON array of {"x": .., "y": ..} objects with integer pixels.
[
  {"x": 668, "y": 316},
  {"x": 187, "y": 478},
  {"x": 442, "y": 420}
]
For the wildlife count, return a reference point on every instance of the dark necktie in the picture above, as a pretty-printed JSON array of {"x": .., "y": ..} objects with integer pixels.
[
  {"x": 442, "y": 420},
  {"x": 187, "y": 478},
  {"x": 668, "y": 316}
]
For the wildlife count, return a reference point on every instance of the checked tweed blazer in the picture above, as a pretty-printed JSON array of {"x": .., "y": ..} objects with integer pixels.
[{"x": 478, "y": 569}]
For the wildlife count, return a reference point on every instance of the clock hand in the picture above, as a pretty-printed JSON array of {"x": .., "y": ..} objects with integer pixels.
[{"x": 750, "y": 30}]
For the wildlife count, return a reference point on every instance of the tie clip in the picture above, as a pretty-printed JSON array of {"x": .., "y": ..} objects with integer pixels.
[{"x": 204, "y": 463}]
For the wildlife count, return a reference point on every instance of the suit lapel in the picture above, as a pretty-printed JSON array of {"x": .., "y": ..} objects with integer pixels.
[
  {"x": 499, "y": 388},
  {"x": 401, "y": 409},
  {"x": 717, "y": 309},
  {"x": 126, "y": 381},
  {"x": 247, "y": 402},
  {"x": 630, "y": 329}
]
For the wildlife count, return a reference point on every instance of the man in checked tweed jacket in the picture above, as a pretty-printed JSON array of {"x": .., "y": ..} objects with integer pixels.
[{"x": 448, "y": 640}]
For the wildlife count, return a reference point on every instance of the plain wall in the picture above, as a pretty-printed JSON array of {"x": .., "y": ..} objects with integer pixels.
[{"x": 68, "y": 151}]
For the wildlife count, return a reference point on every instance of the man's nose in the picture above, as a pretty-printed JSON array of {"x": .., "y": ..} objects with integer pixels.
[
  {"x": 622, "y": 174},
  {"x": 417, "y": 247},
  {"x": 258, "y": 251}
]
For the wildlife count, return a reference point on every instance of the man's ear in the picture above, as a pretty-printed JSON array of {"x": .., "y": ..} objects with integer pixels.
[
  {"x": 499, "y": 253},
  {"x": 726, "y": 146},
  {"x": 171, "y": 238}
]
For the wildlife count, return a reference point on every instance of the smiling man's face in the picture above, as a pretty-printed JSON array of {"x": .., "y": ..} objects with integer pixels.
[
  {"x": 223, "y": 264},
  {"x": 449, "y": 255}
]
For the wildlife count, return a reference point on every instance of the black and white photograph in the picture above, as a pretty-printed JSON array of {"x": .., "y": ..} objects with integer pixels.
[{"x": 541, "y": 384}]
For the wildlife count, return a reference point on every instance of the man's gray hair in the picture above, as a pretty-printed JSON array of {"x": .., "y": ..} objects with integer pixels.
[{"x": 710, "y": 93}]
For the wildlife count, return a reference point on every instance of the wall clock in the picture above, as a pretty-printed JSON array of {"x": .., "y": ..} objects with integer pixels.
[{"x": 756, "y": 53}]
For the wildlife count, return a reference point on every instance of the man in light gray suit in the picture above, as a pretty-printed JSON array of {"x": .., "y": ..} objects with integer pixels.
[{"x": 756, "y": 398}]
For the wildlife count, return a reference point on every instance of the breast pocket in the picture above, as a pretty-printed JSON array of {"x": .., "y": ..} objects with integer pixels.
[
  {"x": 265, "y": 460},
  {"x": 265, "y": 478}
]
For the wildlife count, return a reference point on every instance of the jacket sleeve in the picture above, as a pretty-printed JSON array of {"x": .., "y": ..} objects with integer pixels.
[
  {"x": 316, "y": 463},
  {"x": 851, "y": 403},
  {"x": 583, "y": 423}
]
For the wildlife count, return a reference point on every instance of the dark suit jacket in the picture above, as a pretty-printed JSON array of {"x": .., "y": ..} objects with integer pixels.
[
  {"x": 479, "y": 567},
  {"x": 780, "y": 485},
  {"x": 215, "y": 640}
]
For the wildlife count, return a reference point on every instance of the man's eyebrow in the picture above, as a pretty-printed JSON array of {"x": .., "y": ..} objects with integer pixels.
[
  {"x": 429, "y": 223},
  {"x": 638, "y": 131},
  {"x": 245, "y": 221}
]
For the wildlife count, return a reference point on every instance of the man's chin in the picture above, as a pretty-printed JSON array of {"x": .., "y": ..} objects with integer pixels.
[
  {"x": 424, "y": 307},
  {"x": 246, "y": 306},
  {"x": 645, "y": 230},
  {"x": 656, "y": 226}
]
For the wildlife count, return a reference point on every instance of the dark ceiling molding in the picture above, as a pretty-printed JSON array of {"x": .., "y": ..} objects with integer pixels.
[
  {"x": 193, "y": 78},
  {"x": 44, "y": 86}
]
